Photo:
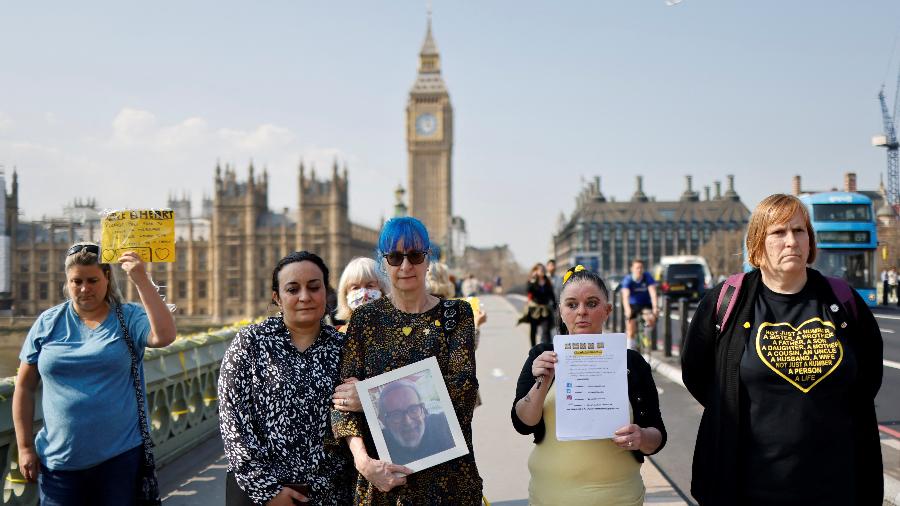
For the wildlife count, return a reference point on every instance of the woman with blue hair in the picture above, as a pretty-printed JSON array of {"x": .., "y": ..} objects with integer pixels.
[{"x": 407, "y": 326}]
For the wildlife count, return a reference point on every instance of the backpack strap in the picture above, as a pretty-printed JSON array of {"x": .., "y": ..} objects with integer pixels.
[
  {"x": 844, "y": 294},
  {"x": 727, "y": 299}
]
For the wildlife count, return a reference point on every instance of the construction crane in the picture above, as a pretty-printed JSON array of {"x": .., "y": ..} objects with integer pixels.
[{"x": 889, "y": 140}]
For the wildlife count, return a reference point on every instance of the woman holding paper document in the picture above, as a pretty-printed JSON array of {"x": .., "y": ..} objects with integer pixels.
[
  {"x": 585, "y": 472},
  {"x": 405, "y": 327}
]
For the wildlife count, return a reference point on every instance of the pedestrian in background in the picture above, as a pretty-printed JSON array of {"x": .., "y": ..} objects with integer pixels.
[
  {"x": 892, "y": 284},
  {"x": 556, "y": 282},
  {"x": 788, "y": 384},
  {"x": 541, "y": 301},
  {"x": 360, "y": 284},
  {"x": 88, "y": 353},
  {"x": 588, "y": 472}
]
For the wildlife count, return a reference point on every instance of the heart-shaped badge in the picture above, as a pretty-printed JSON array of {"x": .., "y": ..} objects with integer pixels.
[
  {"x": 109, "y": 255},
  {"x": 803, "y": 355},
  {"x": 407, "y": 330},
  {"x": 162, "y": 253}
]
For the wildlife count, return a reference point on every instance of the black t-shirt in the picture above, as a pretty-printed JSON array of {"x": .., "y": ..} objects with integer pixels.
[{"x": 796, "y": 444}]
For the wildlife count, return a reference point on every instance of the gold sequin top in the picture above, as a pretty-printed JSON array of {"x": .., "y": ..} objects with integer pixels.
[{"x": 381, "y": 338}]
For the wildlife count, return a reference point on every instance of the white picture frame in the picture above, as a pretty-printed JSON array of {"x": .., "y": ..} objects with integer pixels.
[{"x": 414, "y": 424}]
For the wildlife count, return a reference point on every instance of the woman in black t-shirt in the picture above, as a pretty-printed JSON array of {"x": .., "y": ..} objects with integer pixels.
[{"x": 788, "y": 384}]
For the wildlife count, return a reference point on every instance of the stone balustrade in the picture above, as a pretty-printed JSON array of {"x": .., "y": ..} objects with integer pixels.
[{"x": 182, "y": 400}]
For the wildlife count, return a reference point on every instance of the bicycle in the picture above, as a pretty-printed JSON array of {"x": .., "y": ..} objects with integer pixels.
[{"x": 642, "y": 341}]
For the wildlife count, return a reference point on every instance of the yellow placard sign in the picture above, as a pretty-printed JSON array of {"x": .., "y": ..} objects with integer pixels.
[
  {"x": 476, "y": 305},
  {"x": 148, "y": 232}
]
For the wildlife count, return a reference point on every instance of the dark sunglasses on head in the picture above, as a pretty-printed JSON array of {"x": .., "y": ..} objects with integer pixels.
[
  {"x": 395, "y": 258},
  {"x": 90, "y": 248}
]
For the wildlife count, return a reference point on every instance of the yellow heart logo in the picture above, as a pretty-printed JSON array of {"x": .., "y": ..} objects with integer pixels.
[
  {"x": 407, "y": 330},
  {"x": 162, "y": 253},
  {"x": 437, "y": 323},
  {"x": 109, "y": 255},
  {"x": 803, "y": 355}
]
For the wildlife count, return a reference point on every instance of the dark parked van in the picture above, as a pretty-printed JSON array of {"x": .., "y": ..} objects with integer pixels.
[{"x": 683, "y": 276}]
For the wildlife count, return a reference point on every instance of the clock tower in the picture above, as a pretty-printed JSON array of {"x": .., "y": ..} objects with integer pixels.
[{"x": 429, "y": 143}]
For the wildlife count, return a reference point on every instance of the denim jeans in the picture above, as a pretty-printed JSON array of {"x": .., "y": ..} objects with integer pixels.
[{"x": 109, "y": 483}]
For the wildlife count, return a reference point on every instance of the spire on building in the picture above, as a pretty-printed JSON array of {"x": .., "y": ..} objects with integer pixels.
[{"x": 429, "y": 79}]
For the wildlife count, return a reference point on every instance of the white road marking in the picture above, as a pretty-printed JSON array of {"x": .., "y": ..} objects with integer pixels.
[
  {"x": 887, "y": 316},
  {"x": 891, "y": 442},
  {"x": 891, "y": 363},
  {"x": 888, "y": 331}
]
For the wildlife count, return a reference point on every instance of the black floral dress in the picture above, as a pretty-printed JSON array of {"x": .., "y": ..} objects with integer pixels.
[
  {"x": 382, "y": 338},
  {"x": 274, "y": 406}
]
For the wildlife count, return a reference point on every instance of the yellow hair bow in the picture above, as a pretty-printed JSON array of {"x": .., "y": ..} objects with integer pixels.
[{"x": 573, "y": 270}]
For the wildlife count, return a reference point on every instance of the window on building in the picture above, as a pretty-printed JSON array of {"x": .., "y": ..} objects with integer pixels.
[
  {"x": 232, "y": 219},
  {"x": 656, "y": 234},
  {"x": 317, "y": 217},
  {"x": 234, "y": 256},
  {"x": 694, "y": 234},
  {"x": 644, "y": 234},
  {"x": 201, "y": 289},
  {"x": 43, "y": 290},
  {"x": 201, "y": 260},
  {"x": 681, "y": 233},
  {"x": 262, "y": 257},
  {"x": 43, "y": 261},
  {"x": 182, "y": 290},
  {"x": 23, "y": 262},
  {"x": 605, "y": 234},
  {"x": 618, "y": 233},
  {"x": 180, "y": 259},
  {"x": 24, "y": 293},
  {"x": 630, "y": 234},
  {"x": 234, "y": 288}
]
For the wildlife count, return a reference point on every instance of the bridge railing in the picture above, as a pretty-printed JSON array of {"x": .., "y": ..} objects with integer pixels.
[{"x": 182, "y": 400}]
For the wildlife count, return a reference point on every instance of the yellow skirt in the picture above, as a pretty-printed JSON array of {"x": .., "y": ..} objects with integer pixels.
[{"x": 581, "y": 473}]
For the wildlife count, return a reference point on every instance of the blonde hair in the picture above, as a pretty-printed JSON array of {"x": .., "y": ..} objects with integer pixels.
[
  {"x": 775, "y": 210},
  {"x": 437, "y": 281},
  {"x": 359, "y": 269},
  {"x": 86, "y": 258}
]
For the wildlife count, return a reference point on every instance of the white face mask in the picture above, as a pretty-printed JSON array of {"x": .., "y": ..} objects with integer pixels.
[{"x": 360, "y": 296}]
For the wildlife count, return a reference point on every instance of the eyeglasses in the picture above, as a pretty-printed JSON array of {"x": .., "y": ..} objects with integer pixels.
[
  {"x": 90, "y": 248},
  {"x": 397, "y": 416},
  {"x": 395, "y": 258}
]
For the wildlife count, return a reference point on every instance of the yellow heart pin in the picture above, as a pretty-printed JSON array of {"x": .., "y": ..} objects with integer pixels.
[
  {"x": 407, "y": 330},
  {"x": 437, "y": 323}
]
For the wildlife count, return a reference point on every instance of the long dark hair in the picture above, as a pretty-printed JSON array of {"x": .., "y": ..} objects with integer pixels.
[{"x": 302, "y": 256}]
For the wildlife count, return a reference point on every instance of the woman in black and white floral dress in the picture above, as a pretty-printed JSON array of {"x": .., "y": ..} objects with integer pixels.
[{"x": 275, "y": 389}]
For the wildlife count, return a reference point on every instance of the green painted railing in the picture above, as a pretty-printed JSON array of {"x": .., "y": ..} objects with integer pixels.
[{"x": 182, "y": 399}]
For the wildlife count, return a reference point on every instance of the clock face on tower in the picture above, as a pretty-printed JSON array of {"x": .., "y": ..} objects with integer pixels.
[{"x": 426, "y": 124}]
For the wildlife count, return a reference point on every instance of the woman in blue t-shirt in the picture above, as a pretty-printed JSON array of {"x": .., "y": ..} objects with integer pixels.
[{"x": 90, "y": 447}]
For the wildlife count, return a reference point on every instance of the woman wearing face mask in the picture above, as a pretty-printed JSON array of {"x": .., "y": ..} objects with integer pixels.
[
  {"x": 359, "y": 284},
  {"x": 598, "y": 471},
  {"x": 275, "y": 387}
]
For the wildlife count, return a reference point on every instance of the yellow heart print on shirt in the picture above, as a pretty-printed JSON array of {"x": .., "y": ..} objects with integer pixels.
[{"x": 803, "y": 355}]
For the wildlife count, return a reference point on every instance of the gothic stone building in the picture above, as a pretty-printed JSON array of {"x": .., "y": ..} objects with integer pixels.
[
  {"x": 224, "y": 254},
  {"x": 611, "y": 234}
]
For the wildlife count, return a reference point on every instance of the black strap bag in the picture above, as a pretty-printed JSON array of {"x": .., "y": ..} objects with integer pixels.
[{"x": 147, "y": 492}]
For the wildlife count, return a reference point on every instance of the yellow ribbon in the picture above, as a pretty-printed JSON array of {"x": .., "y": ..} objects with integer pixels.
[{"x": 577, "y": 268}]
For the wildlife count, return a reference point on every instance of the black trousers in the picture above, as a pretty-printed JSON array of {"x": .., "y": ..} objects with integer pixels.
[
  {"x": 234, "y": 494},
  {"x": 543, "y": 325}
]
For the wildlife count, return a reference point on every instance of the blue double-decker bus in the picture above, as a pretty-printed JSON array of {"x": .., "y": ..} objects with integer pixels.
[{"x": 846, "y": 237}]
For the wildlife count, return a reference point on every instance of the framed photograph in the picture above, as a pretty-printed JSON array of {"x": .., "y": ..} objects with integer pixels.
[{"x": 411, "y": 417}]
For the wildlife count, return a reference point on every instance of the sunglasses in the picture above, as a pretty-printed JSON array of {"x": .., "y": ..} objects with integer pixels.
[
  {"x": 90, "y": 248},
  {"x": 395, "y": 258}
]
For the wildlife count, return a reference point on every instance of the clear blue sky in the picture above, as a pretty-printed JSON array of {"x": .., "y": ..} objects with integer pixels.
[{"x": 127, "y": 102}]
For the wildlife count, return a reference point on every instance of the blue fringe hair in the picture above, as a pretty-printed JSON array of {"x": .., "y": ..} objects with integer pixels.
[{"x": 407, "y": 230}]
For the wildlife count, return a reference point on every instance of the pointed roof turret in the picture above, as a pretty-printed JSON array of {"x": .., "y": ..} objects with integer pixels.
[{"x": 429, "y": 79}]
